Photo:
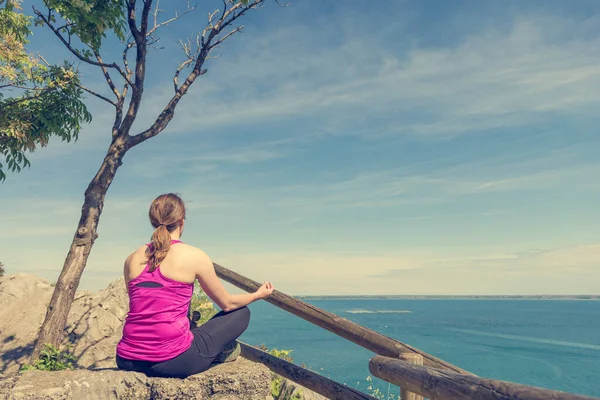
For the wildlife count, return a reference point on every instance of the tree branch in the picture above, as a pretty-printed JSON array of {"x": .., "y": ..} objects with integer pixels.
[
  {"x": 222, "y": 39},
  {"x": 201, "y": 55},
  {"x": 145, "y": 13},
  {"x": 175, "y": 18},
  {"x": 130, "y": 44},
  {"x": 98, "y": 95},
  {"x": 16, "y": 86},
  {"x": 107, "y": 75},
  {"x": 140, "y": 61},
  {"x": 181, "y": 66},
  {"x": 72, "y": 50},
  {"x": 131, "y": 20}
]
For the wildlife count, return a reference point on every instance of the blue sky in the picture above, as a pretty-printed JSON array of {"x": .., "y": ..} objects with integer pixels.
[{"x": 356, "y": 147}]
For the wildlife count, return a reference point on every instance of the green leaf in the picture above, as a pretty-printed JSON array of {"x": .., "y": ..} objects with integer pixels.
[{"x": 91, "y": 19}]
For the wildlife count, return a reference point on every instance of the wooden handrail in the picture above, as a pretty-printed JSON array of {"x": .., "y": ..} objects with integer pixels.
[
  {"x": 434, "y": 383},
  {"x": 311, "y": 380},
  {"x": 367, "y": 338}
]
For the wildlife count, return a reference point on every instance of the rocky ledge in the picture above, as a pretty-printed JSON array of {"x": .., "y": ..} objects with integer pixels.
[{"x": 241, "y": 379}]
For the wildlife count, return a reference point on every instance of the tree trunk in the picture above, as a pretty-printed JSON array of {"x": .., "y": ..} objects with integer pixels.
[{"x": 52, "y": 330}]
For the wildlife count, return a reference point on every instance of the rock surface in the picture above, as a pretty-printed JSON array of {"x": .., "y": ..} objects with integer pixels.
[
  {"x": 94, "y": 327},
  {"x": 241, "y": 379},
  {"x": 292, "y": 390}
]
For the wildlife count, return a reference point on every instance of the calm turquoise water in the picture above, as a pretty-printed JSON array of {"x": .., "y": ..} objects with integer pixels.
[{"x": 553, "y": 344}]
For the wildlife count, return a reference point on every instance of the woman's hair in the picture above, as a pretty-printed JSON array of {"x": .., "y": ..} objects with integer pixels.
[{"x": 166, "y": 213}]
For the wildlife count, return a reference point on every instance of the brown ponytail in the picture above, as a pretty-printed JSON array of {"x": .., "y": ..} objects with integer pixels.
[{"x": 166, "y": 214}]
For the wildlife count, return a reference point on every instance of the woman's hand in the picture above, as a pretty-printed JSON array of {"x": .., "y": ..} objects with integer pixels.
[{"x": 265, "y": 290}]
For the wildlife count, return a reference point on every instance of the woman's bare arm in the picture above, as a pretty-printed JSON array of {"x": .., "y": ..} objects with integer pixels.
[{"x": 212, "y": 286}]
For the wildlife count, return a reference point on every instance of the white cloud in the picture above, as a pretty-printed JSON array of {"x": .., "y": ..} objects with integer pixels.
[
  {"x": 496, "y": 79},
  {"x": 399, "y": 187},
  {"x": 570, "y": 270}
]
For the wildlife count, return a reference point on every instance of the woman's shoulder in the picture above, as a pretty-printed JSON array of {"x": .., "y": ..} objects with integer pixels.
[
  {"x": 139, "y": 253},
  {"x": 188, "y": 248},
  {"x": 189, "y": 251}
]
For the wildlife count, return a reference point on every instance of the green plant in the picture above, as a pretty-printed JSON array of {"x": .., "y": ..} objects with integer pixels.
[
  {"x": 201, "y": 304},
  {"x": 1, "y": 268},
  {"x": 277, "y": 380},
  {"x": 276, "y": 383},
  {"x": 52, "y": 359},
  {"x": 283, "y": 354},
  {"x": 38, "y": 101},
  {"x": 378, "y": 394}
]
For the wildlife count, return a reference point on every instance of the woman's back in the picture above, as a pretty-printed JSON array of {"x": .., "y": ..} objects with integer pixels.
[
  {"x": 178, "y": 264},
  {"x": 157, "y": 325}
]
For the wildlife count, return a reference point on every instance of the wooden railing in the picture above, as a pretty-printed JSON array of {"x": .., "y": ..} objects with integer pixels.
[
  {"x": 435, "y": 383},
  {"x": 302, "y": 376},
  {"x": 414, "y": 371}
]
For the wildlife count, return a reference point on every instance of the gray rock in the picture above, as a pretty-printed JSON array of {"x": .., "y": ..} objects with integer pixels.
[
  {"x": 94, "y": 327},
  {"x": 292, "y": 390},
  {"x": 238, "y": 380}
]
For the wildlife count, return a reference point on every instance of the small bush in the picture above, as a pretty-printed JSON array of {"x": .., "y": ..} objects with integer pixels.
[
  {"x": 201, "y": 304},
  {"x": 378, "y": 394},
  {"x": 1, "y": 268},
  {"x": 277, "y": 380},
  {"x": 52, "y": 359}
]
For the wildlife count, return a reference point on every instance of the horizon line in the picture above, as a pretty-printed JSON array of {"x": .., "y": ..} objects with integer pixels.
[{"x": 453, "y": 295}]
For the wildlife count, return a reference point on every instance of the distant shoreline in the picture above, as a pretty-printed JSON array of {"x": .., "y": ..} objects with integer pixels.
[{"x": 451, "y": 297}]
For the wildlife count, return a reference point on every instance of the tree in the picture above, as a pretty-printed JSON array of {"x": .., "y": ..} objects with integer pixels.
[
  {"x": 89, "y": 21},
  {"x": 37, "y": 100},
  {"x": 1, "y": 268}
]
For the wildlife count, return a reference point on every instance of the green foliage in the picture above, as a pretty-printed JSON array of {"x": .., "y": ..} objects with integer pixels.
[
  {"x": 202, "y": 304},
  {"x": 37, "y": 100},
  {"x": 15, "y": 63},
  {"x": 276, "y": 383},
  {"x": 52, "y": 359},
  {"x": 378, "y": 394},
  {"x": 283, "y": 354},
  {"x": 90, "y": 20},
  {"x": 11, "y": 22},
  {"x": 2, "y": 271},
  {"x": 277, "y": 380}
]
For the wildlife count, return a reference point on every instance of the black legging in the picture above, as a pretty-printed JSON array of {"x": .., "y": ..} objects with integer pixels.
[{"x": 210, "y": 339}]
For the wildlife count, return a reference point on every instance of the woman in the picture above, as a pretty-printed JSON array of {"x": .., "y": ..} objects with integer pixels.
[{"x": 157, "y": 339}]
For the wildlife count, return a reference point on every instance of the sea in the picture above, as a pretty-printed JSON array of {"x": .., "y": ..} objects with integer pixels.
[{"x": 553, "y": 344}]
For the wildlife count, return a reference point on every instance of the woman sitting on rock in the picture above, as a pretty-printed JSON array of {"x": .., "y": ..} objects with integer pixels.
[{"x": 157, "y": 339}]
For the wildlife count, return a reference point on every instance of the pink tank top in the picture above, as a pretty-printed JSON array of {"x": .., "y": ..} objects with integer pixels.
[{"x": 157, "y": 326}]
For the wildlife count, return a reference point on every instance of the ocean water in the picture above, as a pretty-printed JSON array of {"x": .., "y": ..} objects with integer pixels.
[{"x": 553, "y": 344}]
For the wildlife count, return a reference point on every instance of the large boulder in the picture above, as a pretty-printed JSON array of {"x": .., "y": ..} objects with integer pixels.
[
  {"x": 94, "y": 325},
  {"x": 242, "y": 379},
  {"x": 23, "y": 300}
]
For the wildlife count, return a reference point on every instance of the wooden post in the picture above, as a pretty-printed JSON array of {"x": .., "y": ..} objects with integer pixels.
[{"x": 416, "y": 359}]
